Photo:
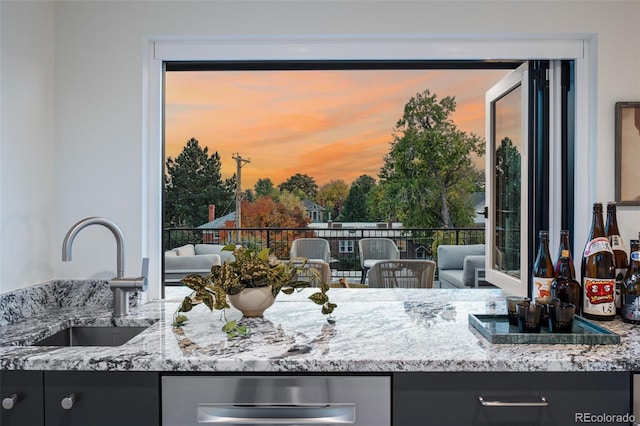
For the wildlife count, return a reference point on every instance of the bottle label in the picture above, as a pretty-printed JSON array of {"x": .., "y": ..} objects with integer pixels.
[
  {"x": 631, "y": 307},
  {"x": 541, "y": 287},
  {"x": 620, "y": 272},
  {"x": 616, "y": 243},
  {"x": 635, "y": 256},
  {"x": 597, "y": 245},
  {"x": 599, "y": 296}
]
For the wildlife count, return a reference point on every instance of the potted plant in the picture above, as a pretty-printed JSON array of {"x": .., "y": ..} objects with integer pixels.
[{"x": 251, "y": 271}]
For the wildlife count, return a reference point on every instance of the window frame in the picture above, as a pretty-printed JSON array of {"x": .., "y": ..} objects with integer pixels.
[
  {"x": 346, "y": 244},
  {"x": 159, "y": 50}
]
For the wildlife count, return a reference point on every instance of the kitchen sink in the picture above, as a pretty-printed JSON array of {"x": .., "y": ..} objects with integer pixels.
[{"x": 91, "y": 336}]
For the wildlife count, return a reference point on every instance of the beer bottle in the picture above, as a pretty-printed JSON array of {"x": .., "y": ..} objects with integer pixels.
[
  {"x": 630, "y": 309},
  {"x": 598, "y": 272},
  {"x": 543, "y": 272},
  {"x": 564, "y": 245},
  {"x": 619, "y": 253},
  {"x": 564, "y": 286}
]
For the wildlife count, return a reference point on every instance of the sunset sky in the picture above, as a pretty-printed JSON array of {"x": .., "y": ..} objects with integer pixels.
[{"x": 326, "y": 124}]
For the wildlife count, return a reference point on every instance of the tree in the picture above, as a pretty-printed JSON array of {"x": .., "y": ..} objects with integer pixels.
[
  {"x": 508, "y": 207},
  {"x": 192, "y": 182},
  {"x": 302, "y": 185},
  {"x": 356, "y": 207},
  {"x": 264, "y": 212},
  {"x": 290, "y": 201},
  {"x": 428, "y": 175},
  {"x": 264, "y": 187},
  {"x": 332, "y": 195}
]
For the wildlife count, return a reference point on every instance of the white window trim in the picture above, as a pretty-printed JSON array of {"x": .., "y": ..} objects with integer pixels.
[
  {"x": 578, "y": 47},
  {"x": 346, "y": 246}
]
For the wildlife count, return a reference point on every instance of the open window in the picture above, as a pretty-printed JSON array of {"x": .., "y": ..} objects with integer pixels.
[{"x": 523, "y": 151}]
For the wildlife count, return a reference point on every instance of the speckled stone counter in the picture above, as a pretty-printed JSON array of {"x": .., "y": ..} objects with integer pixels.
[{"x": 375, "y": 330}]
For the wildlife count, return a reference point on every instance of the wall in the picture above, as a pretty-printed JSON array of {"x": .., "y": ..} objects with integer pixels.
[
  {"x": 26, "y": 143},
  {"x": 99, "y": 81}
]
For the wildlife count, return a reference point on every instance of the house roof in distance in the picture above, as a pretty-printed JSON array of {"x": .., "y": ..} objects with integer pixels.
[{"x": 219, "y": 222}]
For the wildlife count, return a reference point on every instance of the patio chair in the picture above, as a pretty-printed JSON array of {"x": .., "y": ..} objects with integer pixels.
[
  {"x": 322, "y": 268},
  {"x": 402, "y": 273},
  {"x": 373, "y": 250},
  {"x": 311, "y": 248}
]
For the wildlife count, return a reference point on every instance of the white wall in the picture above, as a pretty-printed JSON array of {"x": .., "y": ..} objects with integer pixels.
[
  {"x": 99, "y": 71},
  {"x": 26, "y": 143}
]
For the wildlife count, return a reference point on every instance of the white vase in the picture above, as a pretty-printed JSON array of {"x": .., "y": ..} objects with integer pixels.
[{"x": 252, "y": 302}]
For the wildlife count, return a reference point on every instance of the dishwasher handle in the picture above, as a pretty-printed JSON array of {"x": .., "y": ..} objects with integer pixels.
[
  {"x": 277, "y": 414},
  {"x": 540, "y": 401}
]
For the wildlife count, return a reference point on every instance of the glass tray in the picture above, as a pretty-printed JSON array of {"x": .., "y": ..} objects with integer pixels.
[{"x": 496, "y": 329}]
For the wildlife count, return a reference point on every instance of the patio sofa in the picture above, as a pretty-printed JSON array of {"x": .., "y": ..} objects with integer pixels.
[
  {"x": 193, "y": 259},
  {"x": 457, "y": 265}
]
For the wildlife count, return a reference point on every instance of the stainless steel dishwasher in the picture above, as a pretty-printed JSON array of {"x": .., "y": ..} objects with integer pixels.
[{"x": 276, "y": 400}]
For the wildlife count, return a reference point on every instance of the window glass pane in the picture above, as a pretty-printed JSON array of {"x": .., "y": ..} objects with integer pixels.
[{"x": 508, "y": 148}]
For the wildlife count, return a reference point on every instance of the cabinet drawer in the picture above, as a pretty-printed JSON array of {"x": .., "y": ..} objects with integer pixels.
[
  {"x": 545, "y": 398},
  {"x": 102, "y": 398}
]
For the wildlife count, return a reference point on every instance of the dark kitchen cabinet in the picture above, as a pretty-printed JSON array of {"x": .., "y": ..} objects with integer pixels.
[
  {"x": 79, "y": 398},
  {"x": 101, "y": 398},
  {"x": 22, "y": 398},
  {"x": 489, "y": 399}
]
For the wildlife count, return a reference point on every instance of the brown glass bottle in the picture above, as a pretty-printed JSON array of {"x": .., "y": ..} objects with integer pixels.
[
  {"x": 564, "y": 245},
  {"x": 630, "y": 305},
  {"x": 598, "y": 272},
  {"x": 543, "y": 270},
  {"x": 564, "y": 286},
  {"x": 619, "y": 252}
]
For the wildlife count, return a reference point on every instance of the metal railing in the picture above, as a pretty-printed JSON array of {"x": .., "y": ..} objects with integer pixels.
[{"x": 413, "y": 243}]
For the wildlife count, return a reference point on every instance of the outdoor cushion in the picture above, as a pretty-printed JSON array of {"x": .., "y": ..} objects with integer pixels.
[{"x": 186, "y": 250}]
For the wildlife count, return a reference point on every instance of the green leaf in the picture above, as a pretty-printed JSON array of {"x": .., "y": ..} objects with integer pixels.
[
  {"x": 232, "y": 329},
  {"x": 195, "y": 282},
  {"x": 328, "y": 308},
  {"x": 230, "y": 325},
  {"x": 207, "y": 298},
  {"x": 180, "y": 320},
  {"x": 319, "y": 298},
  {"x": 186, "y": 305},
  {"x": 263, "y": 254},
  {"x": 229, "y": 247}
]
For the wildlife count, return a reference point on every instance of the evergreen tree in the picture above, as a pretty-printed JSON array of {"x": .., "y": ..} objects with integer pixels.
[
  {"x": 356, "y": 207},
  {"x": 192, "y": 182}
]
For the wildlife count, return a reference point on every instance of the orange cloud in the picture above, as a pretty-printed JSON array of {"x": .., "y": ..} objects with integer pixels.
[{"x": 326, "y": 124}]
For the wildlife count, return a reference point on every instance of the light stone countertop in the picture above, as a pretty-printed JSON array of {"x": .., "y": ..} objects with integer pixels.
[{"x": 375, "y": 330}]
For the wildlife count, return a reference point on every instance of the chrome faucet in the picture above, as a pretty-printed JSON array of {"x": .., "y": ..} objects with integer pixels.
[{"x": 119, "y": 285}]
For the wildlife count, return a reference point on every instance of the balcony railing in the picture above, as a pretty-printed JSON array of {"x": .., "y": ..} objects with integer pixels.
[{"x": 414, "y": 243}]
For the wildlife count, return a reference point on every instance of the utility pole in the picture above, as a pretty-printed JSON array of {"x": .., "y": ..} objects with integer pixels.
[{"x": 239, "y": 163}]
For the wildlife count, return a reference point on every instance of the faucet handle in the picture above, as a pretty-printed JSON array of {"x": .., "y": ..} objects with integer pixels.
[{"x": 138, "y": 283}]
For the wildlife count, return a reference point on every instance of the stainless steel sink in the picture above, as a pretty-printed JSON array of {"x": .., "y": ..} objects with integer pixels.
[{"x": 91, "y": 336}]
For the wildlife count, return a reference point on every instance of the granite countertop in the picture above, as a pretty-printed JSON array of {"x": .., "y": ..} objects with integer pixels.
[{"x": 375, "y": 330}]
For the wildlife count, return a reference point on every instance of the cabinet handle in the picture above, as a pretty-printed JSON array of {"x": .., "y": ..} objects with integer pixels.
[
  {"x": 67, "y": 402},
  {"x": 9, "y": 402},
  {"x": 540, "y": 401}
]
